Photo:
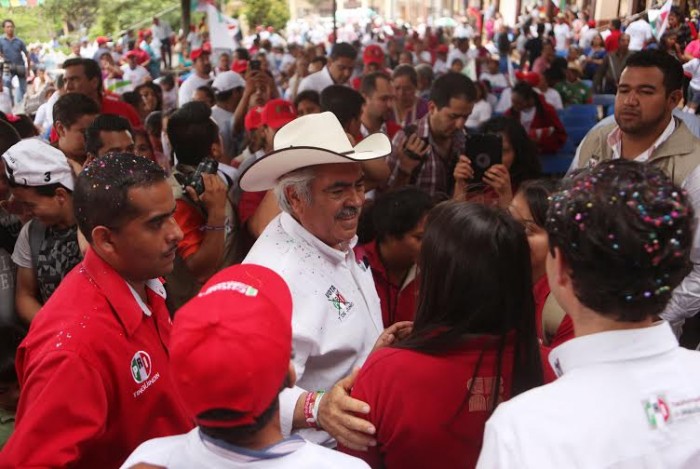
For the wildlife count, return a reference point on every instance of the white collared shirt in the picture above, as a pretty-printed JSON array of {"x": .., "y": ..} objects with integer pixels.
[
  {"x": 317, "y": 81},
  {"x": 625, "y": 399},
  {"x": 191, "y": 451},
  {"x": 155, "y": 285},
  {"x": 336, "y": 318},
  {"x": 615, "y": 142}
]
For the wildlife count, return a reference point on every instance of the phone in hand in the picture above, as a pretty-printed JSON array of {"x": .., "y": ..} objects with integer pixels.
[
  {"x": 409, "y": 130},
  {"x": 484, "y": 151}
]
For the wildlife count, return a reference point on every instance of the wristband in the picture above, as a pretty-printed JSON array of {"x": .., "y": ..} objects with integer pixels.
[
  {"x": 308, "y": 409},
  {"x": 317, "y": 405}
]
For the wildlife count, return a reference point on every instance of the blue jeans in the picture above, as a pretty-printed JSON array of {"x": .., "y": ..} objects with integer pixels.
[{"x": 7, "y": 82}]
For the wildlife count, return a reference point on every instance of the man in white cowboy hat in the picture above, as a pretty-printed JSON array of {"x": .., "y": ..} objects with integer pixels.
[{"x": 336, "y": 320}]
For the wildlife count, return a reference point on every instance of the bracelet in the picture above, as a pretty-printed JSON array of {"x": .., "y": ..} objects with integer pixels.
[
  {"x": 213, "y": 227},
  {"x": 311, "y": 406},
  {"x": 317, "y": 405}
]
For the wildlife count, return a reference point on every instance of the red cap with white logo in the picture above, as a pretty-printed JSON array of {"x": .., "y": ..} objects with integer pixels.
[{"x": 230, "y": 345}]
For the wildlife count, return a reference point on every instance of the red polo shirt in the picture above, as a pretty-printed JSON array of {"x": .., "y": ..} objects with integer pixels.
[
  {"x": 94, "y": 375},
  {"x": 112, "y": 105},
  {"x": 418, "y": 403},
  {"x": 398, "y": 301}
]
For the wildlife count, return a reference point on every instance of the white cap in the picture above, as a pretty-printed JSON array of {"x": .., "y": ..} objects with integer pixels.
[
  {"x": 32, "y": 162},
  {"x": 226, "y": 81}
]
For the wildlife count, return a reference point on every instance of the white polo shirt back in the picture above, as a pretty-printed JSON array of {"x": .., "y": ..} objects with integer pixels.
[
  {"x": 336, "y": 318},
  {"x": 192, "y": 450},
  {"x": 317, "y": 81},
  {"x": 624, "y": 399}
]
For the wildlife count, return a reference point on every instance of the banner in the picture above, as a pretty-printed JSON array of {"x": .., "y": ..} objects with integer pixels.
[
  {"x": 222, "y": 29},
  {"x": 662, "y": 21}
]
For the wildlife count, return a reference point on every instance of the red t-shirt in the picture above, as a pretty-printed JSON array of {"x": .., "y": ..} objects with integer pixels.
[
  {"x": 95, "y": 376},
  {"x": 398, "y": 301},
  {"x": 417, "y": 403},
  {"x": 248, "y": 204},
  {"x": 112, "y": 105},
  {"x": 612, "y": 41}
]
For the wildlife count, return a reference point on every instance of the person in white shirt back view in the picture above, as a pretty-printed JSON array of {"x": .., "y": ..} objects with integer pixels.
[
  {"x": 341, "y": 64},
  {"x": 230, "y": 353},
  {"x": 640, "y": 33},
  {"x": 627, "y": 396}
]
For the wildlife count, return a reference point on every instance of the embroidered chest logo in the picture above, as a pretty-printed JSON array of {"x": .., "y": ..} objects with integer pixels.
[
  {"x": 141, "y": 366},
  {"x": 341, "y": 305}
]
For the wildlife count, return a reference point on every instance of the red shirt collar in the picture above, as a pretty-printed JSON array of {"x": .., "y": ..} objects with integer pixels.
[{"x": 116, "y": 291}]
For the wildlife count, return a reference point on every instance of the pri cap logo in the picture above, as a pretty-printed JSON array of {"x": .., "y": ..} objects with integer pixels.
[{"x": 141, "y": 366}]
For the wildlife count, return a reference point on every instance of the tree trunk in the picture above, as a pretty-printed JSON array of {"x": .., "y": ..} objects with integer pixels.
[{"x": 186, "y": 15}]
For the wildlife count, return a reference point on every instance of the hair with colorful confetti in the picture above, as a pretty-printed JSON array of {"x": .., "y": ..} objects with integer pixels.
[{"x": 625, "y": 231}]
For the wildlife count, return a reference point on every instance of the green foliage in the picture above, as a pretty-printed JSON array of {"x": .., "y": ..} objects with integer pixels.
[
  {"x": 32, "y": 24},
  {"x": 273, "y": 13},
  {"x": 97, "y": 17}
]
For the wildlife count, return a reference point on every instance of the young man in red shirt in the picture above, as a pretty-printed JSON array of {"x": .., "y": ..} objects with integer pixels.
[
  {"x": 94, "y": 370},
  {"x": 85, "y": 76}
]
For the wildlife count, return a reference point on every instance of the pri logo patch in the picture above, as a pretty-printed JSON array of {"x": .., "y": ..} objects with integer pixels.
[
  {"x": 141, "y": 366},
  {"x": 339, "y": 302},
  {"x": 657, "y": 412}
]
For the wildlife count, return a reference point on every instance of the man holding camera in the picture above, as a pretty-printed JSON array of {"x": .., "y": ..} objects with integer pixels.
[
  {"x": 425, "y": 155},
  {"x": 12, "y": 48},
  {"x": 203, "y": 212}
]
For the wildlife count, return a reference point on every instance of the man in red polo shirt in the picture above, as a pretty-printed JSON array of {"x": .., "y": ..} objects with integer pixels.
[
  {"x": 84, "y": 76},
  {"x": 94, "y": 369}
]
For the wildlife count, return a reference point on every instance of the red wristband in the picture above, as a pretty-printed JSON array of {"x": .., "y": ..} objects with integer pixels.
[{"x": 309, "y": 409}]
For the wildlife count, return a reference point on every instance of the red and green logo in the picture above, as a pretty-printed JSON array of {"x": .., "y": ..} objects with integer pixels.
[{"x": 141, "y": 366}]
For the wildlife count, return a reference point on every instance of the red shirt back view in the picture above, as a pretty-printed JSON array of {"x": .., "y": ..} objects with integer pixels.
[{"x": 418, "y": 403}]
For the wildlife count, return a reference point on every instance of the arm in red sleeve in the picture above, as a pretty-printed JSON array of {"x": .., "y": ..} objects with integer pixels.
[
  {"x": 62, "y": 408},
  {"x": 551, "y": 142},
  {"x": 372, "y": 456}
]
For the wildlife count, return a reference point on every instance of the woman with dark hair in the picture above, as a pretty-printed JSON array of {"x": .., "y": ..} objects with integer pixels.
[
  {"x": 151, "y": 99},
  {"x": 519, "y": 163},
  {"x": 472, "y": 345},
  {"x": 529, "y": 207},
  {"x": 539, "y": 119}
]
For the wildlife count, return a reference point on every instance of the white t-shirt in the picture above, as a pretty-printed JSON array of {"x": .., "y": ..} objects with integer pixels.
[
  {"x": 192, "y": 450},
  {"x": 189, "y": 86},
  {"x": 552, "y": 97},
  {"x": 639, "y": 32},
  {"x": 526, "y": 117},
  {"x": 693, "y": 67},
  {"x": 562, "y": 33},
  {"x": 224, "y": 119},
  {"x": 497, "y": 80},
  {"x": 624, "y": 399},
  {"x": 137, "y": 76},
  {"x": 336, "y": 318},
  {"x": 318, "y": 81},
  {"x": 481, "y": 112}
]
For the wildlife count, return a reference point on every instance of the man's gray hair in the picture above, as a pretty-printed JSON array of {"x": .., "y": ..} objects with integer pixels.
[{"x": 300, "y": 181}]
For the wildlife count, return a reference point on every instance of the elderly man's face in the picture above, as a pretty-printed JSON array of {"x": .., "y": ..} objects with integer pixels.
[{"x": 337, "y": 195}]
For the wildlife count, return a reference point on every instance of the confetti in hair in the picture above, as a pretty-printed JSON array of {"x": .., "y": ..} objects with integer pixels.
[{"x": 627, "y": 221}]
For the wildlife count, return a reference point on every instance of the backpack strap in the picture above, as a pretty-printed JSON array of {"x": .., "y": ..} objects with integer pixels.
[{"x": 37, "y": 233}]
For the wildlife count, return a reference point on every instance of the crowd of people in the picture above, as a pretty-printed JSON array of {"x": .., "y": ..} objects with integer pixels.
[{"x": 351, "y": 254}]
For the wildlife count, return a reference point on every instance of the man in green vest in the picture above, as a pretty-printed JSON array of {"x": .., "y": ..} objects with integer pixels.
[{"x": 646, "y": 131}]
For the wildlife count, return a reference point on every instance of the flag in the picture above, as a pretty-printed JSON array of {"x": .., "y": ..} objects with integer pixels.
[
  {"x": 218, "y": 25},
  {"x": 663, "y": 18}
]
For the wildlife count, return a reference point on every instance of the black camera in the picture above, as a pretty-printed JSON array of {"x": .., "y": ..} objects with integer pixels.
[
  {"x": 206, "y": 166},
  {"x": 484, "y": 151}
]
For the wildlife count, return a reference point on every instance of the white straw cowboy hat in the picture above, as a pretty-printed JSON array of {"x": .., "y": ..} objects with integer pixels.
[{"x": 308, "y": 141}]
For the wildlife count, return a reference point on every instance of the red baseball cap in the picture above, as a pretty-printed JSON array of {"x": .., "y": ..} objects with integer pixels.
[
  {"x": 230, "y": 345},
  {"x": 531, "y": 78},
  {"x": 253, "y": 119},
  {"x": 239, "y": 66},
  {"x": 373, "y": 54},
  {"x": 277, "y": 113},
  {"x": 197, "y": 53},
  {"x": 101, "y": 40},
  {"x": 443, "y": 49}
]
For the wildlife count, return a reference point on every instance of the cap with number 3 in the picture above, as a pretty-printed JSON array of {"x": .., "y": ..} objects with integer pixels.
[{"x": 32, "y": 162}]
